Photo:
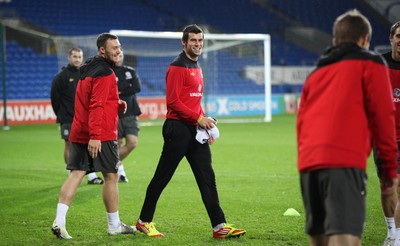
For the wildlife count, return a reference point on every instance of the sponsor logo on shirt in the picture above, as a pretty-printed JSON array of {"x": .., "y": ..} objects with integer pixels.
[
  {"x": 128, "y": 75},
  {"x": 396, "y": 95},
  {"x": 197, "y": 94}
]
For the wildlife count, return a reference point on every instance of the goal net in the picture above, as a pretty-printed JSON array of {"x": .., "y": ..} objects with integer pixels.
[{"x": 236, "y": 67}]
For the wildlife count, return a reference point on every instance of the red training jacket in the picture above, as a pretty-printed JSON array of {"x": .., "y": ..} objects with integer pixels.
[
  {"x": 184, "y": 90},
  {"x": 345, "y": 104},
  {"x": 96, "y": 103}
]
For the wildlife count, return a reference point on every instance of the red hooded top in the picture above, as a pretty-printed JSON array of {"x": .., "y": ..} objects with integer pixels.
[
  {"x": 96, "y": 103},
  {"x": 346, "y": 104}
]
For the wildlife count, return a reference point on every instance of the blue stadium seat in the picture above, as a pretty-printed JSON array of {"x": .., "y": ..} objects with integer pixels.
[
  {"x": 27, "y": 69},
  {"x": 28, "y": 74}
]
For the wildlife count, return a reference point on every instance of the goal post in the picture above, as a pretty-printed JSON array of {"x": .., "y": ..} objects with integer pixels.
[
  {"x": 236, "y": 67},
  {"x": 215, "y": 42}
]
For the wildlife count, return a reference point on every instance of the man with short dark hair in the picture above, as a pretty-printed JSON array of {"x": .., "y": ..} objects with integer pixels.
[
  {"x": 94, "y": 146},
  {"x": 184, "y": 90},
  {"x": 62, "y": 93}
]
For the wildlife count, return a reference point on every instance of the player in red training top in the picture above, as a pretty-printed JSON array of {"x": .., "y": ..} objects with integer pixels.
[
  {"x": 63, "y": 90},
  {"x": 184, "y": 90},
  {"x": 346, "y": 102},
  {"x": 94, "y": 146}
]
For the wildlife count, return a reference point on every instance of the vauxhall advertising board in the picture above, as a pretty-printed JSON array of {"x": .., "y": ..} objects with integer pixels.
[{"x": 40, "y": 111}]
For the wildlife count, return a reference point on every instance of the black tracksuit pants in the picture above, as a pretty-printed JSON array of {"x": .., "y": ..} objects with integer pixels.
[{"x": 179, "y": 142}]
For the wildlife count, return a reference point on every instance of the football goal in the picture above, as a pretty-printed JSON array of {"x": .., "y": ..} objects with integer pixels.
[{"x": 236, "y": 67}]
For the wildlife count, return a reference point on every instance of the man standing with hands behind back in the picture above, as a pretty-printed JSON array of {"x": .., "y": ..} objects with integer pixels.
[{"x": 346, "y": 103}]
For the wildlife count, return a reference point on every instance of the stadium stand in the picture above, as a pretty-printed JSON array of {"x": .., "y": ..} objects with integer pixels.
[
  {"x": 75, "y": 17},
  {"x": 321, "y": 14},
  {"x": 29, "y": 73}
]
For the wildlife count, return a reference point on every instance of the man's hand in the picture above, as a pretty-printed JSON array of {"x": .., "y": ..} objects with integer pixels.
[
  {"x": 206, "y": 122},
  {"x": 94, "y": 147},
  {"x": 122, "y": 105}
]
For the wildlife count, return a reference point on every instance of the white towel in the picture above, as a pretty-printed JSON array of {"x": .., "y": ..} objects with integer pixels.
[{"x": 203, "y": 135}]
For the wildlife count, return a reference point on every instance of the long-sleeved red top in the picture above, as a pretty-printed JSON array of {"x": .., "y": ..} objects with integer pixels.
[
  {"x": 346, "y": 104},
  {"x": 96, "y": 103},
  {"x": 394, "y": 72},
  {"x": 184, "y": 90}
]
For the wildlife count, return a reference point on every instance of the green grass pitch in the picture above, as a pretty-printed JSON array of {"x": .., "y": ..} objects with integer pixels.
[{"x": 257, "y": 180}]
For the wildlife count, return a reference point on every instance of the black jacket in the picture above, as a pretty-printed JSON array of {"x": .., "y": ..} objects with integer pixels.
[
  {"x": 128, "y": 85},
  {"x": 62, "y": 93}
]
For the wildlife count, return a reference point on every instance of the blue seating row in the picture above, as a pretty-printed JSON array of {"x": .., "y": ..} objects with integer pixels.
[
  {"x": 65, "y": 18},
  {"x": 29, "y": 75}
]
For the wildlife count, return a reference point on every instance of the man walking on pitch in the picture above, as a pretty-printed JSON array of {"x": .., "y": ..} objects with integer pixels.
[
  {"x": 63, "y": 90},
  {"x": 346, "y": 103},
  {"x": 184, "y": 89},
  {"x": 93, "y": 136}
]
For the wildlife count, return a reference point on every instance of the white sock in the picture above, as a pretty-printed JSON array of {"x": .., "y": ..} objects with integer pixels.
[
  {"x": 397, "y": 233},
  {"x": 61, "y": 215},
  {"x": 121, "y": 170},
  {"x": 91, "y": 176},
  {"x": 113, "y": 220},
  {"x": 391, "y": 227},
  {"x": 219, "y": 226}
]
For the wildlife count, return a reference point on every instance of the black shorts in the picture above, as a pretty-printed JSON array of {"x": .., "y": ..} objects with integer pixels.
[
  {"x": 65, "y": 129},
  {"x": 128, "y": 125},
  {"x": 106, "y": 161},
  {"x": 334, "y": 200},
  {"x": 378, "y": 162}
]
